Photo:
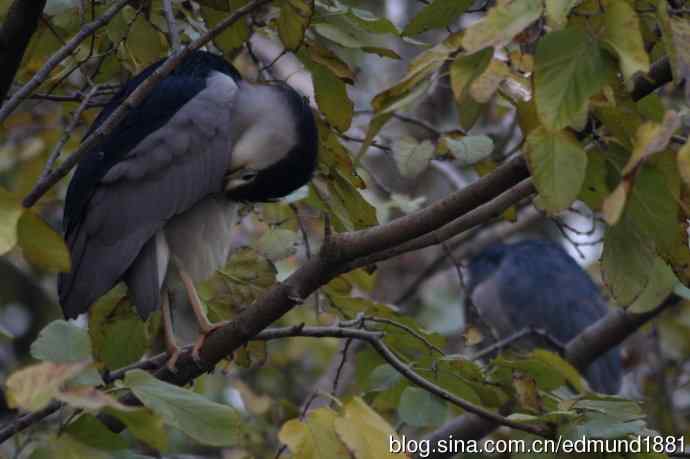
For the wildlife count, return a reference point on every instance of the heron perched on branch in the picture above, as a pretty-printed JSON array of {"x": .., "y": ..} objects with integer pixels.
[
  {"x": 535, "y": 285},
  {"x": 153, "y": 204}
]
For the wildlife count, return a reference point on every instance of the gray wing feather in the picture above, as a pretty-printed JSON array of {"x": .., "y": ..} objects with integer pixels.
[{"x": 164, "y": 175}]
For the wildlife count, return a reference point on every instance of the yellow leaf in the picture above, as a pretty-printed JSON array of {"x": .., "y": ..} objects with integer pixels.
[
  {"x": 526, "y": 391},
  {"x": 484, "y": 87},
  {"x": 33, "y": 387},
  {"x": 365, "y": 432},
  {"x": 501, "y": 24},
  {"x": 684, "y": 162},
  {"x": 10, "y": 211},
  {"x": 90, "y": 398},
  {"x": 613, "y": 206},
  {"x": 295, "y": 16},
  {"x": 622, "y": 33},
  {"x": 314, "y": 437},
  {"x": 652, "y": 138}
]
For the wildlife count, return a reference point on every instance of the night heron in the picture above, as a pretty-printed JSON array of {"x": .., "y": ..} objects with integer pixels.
[
  {"x": 153, "y": 204},
  {"x": 535, "y": 284}
]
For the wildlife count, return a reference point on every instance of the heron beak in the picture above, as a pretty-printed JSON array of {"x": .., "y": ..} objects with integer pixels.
[{"x": 238, "y": 177}]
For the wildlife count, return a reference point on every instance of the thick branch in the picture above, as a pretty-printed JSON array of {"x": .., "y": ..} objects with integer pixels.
[
  {"x": 20, "y": 24},
  {"x": 479, "y": 215}
]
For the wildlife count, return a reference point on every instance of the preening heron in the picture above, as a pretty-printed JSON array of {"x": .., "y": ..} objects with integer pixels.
[{"x": 153, "y": 204}]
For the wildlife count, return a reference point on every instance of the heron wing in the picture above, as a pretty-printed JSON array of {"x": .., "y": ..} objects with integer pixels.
[{"x": 166, "y": 173}]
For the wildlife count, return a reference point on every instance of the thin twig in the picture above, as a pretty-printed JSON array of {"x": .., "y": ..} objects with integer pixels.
[
  {"x": 424, "y": 383},
  {"x": 59, "y": 56},
  {"x": 173, "y": 32},
  {"x": 409, "y": 330},
  {"x": 55, "y": 154}
]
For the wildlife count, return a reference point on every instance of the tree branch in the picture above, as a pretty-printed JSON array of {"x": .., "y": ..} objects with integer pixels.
[
  {"x": 58, "y": 57},
  {"x": 173, "y": 31},
  {"x": 582, "y": 350},
  {"x": 20, "y": 24}
]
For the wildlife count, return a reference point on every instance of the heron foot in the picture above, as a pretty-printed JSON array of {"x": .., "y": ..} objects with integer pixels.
[
  {"x": 174, "y": 354},
  {"x": 206, "y": 331}
]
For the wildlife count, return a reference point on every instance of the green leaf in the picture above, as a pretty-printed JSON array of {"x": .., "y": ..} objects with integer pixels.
[
  {"x": 412, "y": 157},
  {"x": 600, "y": 425},
  {"x": 232, "y": 37},
  {"x": 380, "y": 51},
  {"x": 62, "y": 342},
  {"x": 144, "y": 43},
  {"x": 342, "y": 37},
  {"x": 595, "y": 187},
  {"x": 323, "y": 56},
  {"x": 371, "y": 23},
  {"x": 653, "y": 209},
  {"x": 295, "y": 16},
  {"x": 676, "y": 35},
  {"x": 465, "y": 69},
  {"x": 622, "y": 33},
  {"x": 118, "y": 334},
  {"x": 569, "y": 68},
  {"x": 89, "y": 430},
  {"x": 144, "y": 425},
  {"x": 558, "y": 165},
  {"x": 10, "y": 211},
  {"x": 661, "y": 282},
  {"x": 469, "y": 150},
  {"x": 548, "y": 370},
  {"x": 627, "y": 261},
  {"x": 557, "y": 12},
  {"x": 436, "y": 15},
  {"x": 208, "y": 422},
  {"x": 331, "y": 97},
  {"x": 279, "y": 243},
  {"x": 246, "y": 275},
  {"x": 501, "y": 24},
  {"x": 383, "y": 377},
  {"x": 683, "y": 160},
  {"x": 42, "y": 245},
  {"x": 68, "y": 447},
  {"x": 420, "y": 408}
]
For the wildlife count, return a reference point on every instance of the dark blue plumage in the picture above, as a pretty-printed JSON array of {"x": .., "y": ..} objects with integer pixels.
[
  {"x": 169, "y": 95},
  {"x": 154, "y": 202},
  {"x": 537, "y": 284}
]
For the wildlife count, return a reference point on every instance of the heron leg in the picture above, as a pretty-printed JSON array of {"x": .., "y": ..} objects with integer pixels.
[
  {"x": 205, "y": 326},
  {"x": 168, "y": 333}
]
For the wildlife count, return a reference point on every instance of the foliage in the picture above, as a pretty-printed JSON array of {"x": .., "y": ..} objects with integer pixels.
[{"x": 562, "y": 73}]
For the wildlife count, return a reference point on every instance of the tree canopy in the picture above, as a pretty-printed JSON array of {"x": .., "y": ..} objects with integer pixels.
[{"x": 444, "y": 126}]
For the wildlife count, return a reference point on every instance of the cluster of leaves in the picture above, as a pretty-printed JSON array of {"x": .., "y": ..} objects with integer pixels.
[{"x": 564, "y": 68}]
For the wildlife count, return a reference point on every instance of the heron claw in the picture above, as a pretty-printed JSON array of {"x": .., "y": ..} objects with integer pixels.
[
  {"x": 171, "y": 364},
  {"x": 199, "y": 343}
]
